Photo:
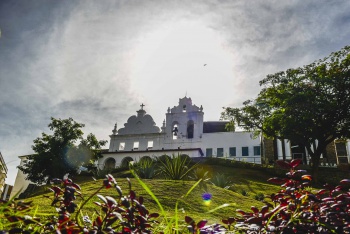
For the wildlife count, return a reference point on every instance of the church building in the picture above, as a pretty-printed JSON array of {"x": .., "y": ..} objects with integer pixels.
[{"x": 183, "y": 131}]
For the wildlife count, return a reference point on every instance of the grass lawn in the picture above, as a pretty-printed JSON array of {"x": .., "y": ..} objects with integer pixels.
[{"x": 169, "y": 192}]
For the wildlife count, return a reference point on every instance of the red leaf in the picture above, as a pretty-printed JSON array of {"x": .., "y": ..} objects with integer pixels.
[
  {"x": 322, "y": 191},
  {"x": 111, "y": 201},
  {"x": 119, "y": 190},
  {"x": 231, "y": 220},
  {"x": 74, "y": 185},
  {"x": 254, "y": 209},
  {"x": 283, "y": 164},
  {"x": 255, "y": 220},
  {"x": 264, "y": 209},
  {"x": 132, "y": 194},
  {"x": 102, "y": 198},
  {"x": 241, "y": 212},
  {"x": 345, "y": 181},
  {"x": 201, "y": 223},
  {"x": 98, "y": 221},
  {"x": 295, "y": 162},
  {"x": 141, "y": 200},
  {"x": 276, "y": 180},
  {"x": 189, "y": 220},
  {"x": 306, "y": 177},
  {"x": 154, "y": 215},
  {"x": 56, "y": 190}
]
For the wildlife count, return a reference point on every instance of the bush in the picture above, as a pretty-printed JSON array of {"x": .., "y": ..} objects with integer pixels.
[
  {"x": 176, "y": 168},
  {"x": 259, "y": 196},
  {"x": 295, "y": 208},
  {"x": 244, "y": 192},
  {"x": 221, "y": 181},
  {"x": 145, "y": 169}
]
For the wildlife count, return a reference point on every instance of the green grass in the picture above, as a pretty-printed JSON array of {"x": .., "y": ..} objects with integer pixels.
[{"x": 168, "y": 192}]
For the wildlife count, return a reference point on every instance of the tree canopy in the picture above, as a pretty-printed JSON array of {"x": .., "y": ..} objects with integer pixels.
[
  {"x": 62, "y": 152},
  {"x": 309, "y": 105}
]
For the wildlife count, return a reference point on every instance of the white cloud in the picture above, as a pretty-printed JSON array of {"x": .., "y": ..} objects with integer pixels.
[{"x": 97, "y": 61}]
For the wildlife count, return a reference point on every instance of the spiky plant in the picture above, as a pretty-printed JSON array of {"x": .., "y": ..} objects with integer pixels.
[
  {"x": 222, "y": 181},
  {"x": 176, "y": 168},
  {"x": 145, "y": 169}
]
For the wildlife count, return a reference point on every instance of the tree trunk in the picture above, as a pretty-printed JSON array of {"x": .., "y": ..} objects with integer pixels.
[{"x": 315, "y": 167}]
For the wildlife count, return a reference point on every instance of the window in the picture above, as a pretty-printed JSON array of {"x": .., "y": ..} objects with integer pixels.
[
  {"x": 256, "y": 150},
  {"x": 232, "y": 151},
  {"x": 209, "y": 152},
  {"x": 220, "y": 152},
  {"x": 150, "y": 145},
  {"x": 190, "y": 129},
  {"x": 136, "y": 145},
  {"x": 245, "y": 151},
  {"x": 341, "y": 152},
  {"x": 175, "y": 131},
  {"x": 121, "y": 145}
]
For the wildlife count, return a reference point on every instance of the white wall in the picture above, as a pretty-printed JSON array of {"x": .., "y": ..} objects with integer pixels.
[{"x": 21, "y": 183}]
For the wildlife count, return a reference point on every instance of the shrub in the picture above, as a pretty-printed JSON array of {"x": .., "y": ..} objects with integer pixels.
[
  {"x": 221, "y": 181},
  {"x": 259, "y": 196},
  {"x": 295, "y": 209},
  {"x": 244, "y": 192},
  {"x": 145, "y": 169},
  {"x": 176, "y": 168},
  {"x": 127, "y": 214}
]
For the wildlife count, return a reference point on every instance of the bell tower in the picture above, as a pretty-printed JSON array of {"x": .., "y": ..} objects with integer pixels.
[{"x": 184, "y": 122}]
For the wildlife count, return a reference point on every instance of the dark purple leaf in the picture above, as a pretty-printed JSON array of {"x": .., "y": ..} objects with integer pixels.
[
  {"x": 102, "y": 198},
  {"x": 345, "y": 181},
  {"x": 132, "y": 195},
  {"x": 189, "y": 220},
  {"x": 201, "y": 223},
  {"x": 295, "y": 162},
  {"x": 264, "y": 209},
  {"x": 254, "y": 209},
  {"x": 119, "y": 190},
  {"x": 154, "y": 215},
  {"x": 283, "y": 164},
  {"x": 276, "y": 180}
]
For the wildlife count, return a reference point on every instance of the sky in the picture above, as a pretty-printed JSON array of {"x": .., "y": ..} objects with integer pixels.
[{"x": 98, "y": 61}]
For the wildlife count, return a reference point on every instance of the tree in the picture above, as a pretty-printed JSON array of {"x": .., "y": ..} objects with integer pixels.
[
  {"x": 309, "y": 105},
  {"x": 58, "y": 154}
]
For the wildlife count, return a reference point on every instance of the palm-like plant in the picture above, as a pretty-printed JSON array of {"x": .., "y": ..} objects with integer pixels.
[
  {"x": 222, "y": 181},
  {"x": 176, "y": 167},
  {"x": 145, "y": 169}
]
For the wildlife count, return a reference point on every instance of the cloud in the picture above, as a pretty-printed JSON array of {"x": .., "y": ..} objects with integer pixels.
[{"x": 98, "y": 61}]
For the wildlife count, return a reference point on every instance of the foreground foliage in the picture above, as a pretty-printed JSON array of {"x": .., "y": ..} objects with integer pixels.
[{"x": 295, "y": 208}]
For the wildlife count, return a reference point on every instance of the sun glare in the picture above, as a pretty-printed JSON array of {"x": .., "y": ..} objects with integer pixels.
[{"x": 185, "y": 55}]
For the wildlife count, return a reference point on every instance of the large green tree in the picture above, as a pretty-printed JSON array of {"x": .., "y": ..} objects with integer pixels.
[
  {"x": 62, "y": 152},
  {"x": 309, "y": 105}
]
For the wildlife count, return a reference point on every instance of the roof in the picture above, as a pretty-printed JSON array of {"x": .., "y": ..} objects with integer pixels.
[{"x": 214, "y": 126}]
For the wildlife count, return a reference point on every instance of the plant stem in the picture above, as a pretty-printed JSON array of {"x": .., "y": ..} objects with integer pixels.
[{"x": 84, "y": 203}]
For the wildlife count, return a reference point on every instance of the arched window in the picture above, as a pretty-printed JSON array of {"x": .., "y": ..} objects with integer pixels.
[
  {"x": 145, "y": 158},
  {"x": 175, "y": 130},
  {"x": 190, "y": 129},
  {"x": 110, "y": 163},
  {"x": 125, "y": 162}
]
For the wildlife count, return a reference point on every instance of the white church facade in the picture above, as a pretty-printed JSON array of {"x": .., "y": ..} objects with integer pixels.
[{"x": 183, "y": 131}]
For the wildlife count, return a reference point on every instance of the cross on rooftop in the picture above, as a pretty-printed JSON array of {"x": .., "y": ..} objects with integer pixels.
[{"x": 142, "y": 106}]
